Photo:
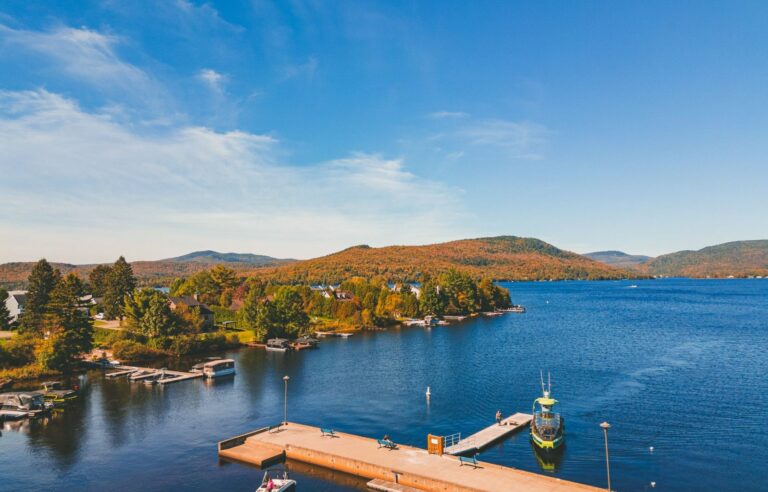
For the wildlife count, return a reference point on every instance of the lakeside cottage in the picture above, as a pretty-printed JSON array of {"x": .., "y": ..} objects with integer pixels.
[
  {"x": 191, "y": 301},
  {"x": 15, "y": 303}
]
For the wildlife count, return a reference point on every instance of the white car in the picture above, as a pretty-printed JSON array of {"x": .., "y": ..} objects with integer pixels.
[{"x": 99, "y": 316}]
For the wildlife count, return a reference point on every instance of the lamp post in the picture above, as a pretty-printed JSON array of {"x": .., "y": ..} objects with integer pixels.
[
  {"x": 605, "y": 426},
  {"x": 285, "y": 401}
]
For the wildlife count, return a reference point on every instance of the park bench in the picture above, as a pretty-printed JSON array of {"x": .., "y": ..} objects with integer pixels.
[
  {"x": 468, "y": 460},
  {"x": 327, "y": 432},
  {"x": 383, "y": 443}
]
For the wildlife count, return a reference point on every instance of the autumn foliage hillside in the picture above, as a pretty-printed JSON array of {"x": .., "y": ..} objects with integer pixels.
[{"x": 499, "y": 258}]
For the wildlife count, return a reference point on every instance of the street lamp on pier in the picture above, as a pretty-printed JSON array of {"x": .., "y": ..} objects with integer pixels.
[
  {"x": 285, "y": 401},
  {"x": 605, "y": 426}
]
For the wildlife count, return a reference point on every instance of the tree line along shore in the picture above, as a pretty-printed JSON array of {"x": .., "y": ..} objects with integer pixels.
[{"x": 65, "y": 318}]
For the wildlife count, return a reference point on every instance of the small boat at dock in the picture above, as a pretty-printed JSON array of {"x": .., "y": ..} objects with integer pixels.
[
  {"x": 54, "y": 392},
  {"x": 278, "y": 345},
  {"x": 21, "y": 404},
  {"x": 198, "y": 368},
  {"x": 279, "y": 484},
  {"x": 515, "y": 308},
  {"x": 219, "y": 368},
  {"x": 547, "y": 427}
]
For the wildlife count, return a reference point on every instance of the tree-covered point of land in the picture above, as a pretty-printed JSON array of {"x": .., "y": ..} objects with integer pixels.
[{"x": 282, "y": 315}]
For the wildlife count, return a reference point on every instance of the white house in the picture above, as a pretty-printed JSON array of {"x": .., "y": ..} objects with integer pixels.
[{"x": 15, "y": 303}]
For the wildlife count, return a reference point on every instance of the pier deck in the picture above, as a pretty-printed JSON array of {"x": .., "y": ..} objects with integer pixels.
[
  {"x": 176, "y": 375},
  {"x": 406, "y": 465},
  {"x": 490, "y": 434}
]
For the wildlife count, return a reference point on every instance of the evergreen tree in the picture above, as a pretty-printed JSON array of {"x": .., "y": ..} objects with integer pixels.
[
  {"x": 431, "y": 300},
  {"x": 5, "y": 314},
  {"x": 158, "y": 321},
  {"x": 42, "y": 281},
  {"x": 149, "y": 313},
  {"x": 120, "y": 282},
  {"x": 290, "y": 310},
  {"x": 69, "y": 329},
  {"x": 99, "y": 280},
  {"x": 258, "y": 315}
]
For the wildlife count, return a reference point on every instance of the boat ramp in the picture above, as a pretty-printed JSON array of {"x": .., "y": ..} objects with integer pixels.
[{"x": 407, "y": 467}]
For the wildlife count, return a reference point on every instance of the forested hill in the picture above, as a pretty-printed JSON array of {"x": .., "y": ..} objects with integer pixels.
[
  {"x": 14, "y": 275},
  {"x": 500, "y": 258},
  {"x": 215, "y": 257},
  {"x": 738, "y": 258},
  {"x": 618, "y": 259}
]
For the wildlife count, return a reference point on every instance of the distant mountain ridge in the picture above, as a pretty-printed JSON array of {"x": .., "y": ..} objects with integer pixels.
[
  {"x": 737, "y": 258},
  {"x": 500, "y": 258},
  {"x": 618, "y": 259},
  {"x": 209, "y": 256},
  {"x": 15, "y": 274}
]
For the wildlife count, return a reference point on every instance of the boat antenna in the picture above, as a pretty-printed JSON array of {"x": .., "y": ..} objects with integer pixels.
[
  {"x": 541, "y": 375},
  {"x": 549, "y": 381}
]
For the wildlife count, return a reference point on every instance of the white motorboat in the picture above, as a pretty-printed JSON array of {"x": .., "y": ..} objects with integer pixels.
[
  {"x": 281, "y": 484},
  {"x": 278, "y": 345},
  {"x": 21, "y": 404}
]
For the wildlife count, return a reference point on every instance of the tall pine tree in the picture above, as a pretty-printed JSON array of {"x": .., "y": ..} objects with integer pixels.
[
  {"x": 5, "y": 314},
  {"x": 120, "y": 282},
  {"x": 70, "y": 328},
  {"x": 99, "y": 279},
  {"x": 42, "y": 281}
]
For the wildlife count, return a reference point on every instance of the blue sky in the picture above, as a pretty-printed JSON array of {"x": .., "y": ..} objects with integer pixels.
[{"x": 294, "y": 129}]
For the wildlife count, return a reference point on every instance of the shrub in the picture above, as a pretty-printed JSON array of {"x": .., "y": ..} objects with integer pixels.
[
  {"x": 130, "y": 350},
  {"x": 18, "y": 351}
]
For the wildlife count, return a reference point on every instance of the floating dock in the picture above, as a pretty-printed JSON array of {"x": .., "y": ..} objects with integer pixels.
[
  {"x": 175, "y": 376},
  {"x": 405, "y": 466},
  {"x": 490, "y": 434}
]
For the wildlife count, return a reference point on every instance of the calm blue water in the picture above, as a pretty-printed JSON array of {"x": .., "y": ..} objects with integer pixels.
[{"x": 679, "y": 365}]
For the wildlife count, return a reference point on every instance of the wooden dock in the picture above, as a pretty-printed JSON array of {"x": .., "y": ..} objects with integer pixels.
[
  {"x": 490, "y": 434},
  {"x": 405, "y": 466},
  {"x": 176, "y": 376}
]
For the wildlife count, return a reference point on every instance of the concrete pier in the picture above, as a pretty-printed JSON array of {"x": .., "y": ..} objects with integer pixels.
[
  {"x": 407, "y": 466},
  {"x": 490, "y": 434}
]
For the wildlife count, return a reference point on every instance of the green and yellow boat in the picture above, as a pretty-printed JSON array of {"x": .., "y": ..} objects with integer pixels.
[
  {"x": 54, "y": 392},
  {"x": 547, "y": 427}
]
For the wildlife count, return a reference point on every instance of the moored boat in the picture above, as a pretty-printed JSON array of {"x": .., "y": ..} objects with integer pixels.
[
  {"x": 53, "y": 391},
  {"x": 20, "y": 404},
  {"x": 219, "y": 368},
  {"x": 278, "y": 345},
  {"x": 547, "y": 427},
  {"x": 279, "y": 484}
]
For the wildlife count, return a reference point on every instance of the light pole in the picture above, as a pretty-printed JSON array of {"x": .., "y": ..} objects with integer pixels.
[
  {"x": 605, "y": 426},
  {"x": 285, "y": 401}
]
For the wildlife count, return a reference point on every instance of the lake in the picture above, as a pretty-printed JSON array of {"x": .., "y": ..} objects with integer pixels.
[{"x": 678, "y": 365}]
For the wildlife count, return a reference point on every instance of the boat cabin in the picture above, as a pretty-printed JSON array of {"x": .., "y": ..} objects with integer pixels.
[{"x": 218, "y": 368}]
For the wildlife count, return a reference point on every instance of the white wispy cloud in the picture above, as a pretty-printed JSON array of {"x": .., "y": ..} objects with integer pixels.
[
  {"x": 521, "y": 139},
  {"x": 213, "y": 79},
  {"x": 93, "y": 187},
  {"x": 439, "y": 115},
  {"x": 85, "y": 54}
]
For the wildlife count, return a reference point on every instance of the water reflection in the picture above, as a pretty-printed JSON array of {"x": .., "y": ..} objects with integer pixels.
[{"x": 548, "y": 462}]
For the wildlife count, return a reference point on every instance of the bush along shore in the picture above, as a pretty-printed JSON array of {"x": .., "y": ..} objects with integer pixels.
[{"x": 210, "y": 311}]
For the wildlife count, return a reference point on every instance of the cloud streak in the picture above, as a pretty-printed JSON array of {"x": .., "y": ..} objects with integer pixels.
[{"x": 73, "y": 173}]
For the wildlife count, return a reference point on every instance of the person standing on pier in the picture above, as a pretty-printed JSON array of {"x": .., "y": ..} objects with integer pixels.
[{"x": 498, "y": 417}]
